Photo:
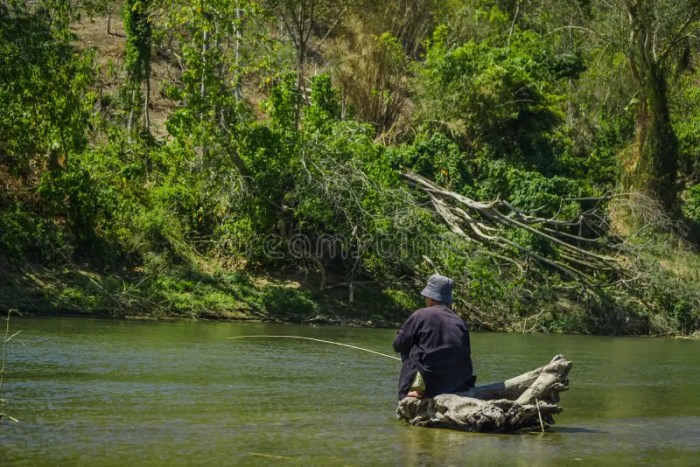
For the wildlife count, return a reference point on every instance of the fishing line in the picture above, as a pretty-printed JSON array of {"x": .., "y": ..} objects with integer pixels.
[{"x": 317, "y": 340}]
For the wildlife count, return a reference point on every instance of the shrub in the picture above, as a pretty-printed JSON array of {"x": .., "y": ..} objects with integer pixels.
[
  {"x": 293, "y": 304},
  {"x": 691, "y": 207}
]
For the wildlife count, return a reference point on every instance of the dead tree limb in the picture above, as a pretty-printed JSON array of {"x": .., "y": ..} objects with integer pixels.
[
  {"x": 525, "y": 402},
  {"x": 490, "y": 222}
]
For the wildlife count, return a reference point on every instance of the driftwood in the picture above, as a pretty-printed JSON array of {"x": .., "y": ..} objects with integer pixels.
[{"x": 525, "y": 402}]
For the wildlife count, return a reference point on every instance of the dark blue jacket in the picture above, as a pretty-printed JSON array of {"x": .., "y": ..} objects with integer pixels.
[{"x": 435, "y": 342}]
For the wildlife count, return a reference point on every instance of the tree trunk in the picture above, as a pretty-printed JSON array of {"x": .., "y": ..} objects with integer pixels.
[
  {"x": 132, "y": 104},
  {"x": 653, "y": 165},
  {"x": 147, "y": 100},
  {"x": 238, "y": 90},
  {"x": 301, "y": 63},
  {"x": 525, "y": 402},
  {"x": 202, "y": 88}
]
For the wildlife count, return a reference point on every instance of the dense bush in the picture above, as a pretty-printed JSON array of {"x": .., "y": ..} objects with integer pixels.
[{"x": 692, "y": 203}]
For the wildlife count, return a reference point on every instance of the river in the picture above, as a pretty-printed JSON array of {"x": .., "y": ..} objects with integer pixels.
[{"x": 102, "y": 392}]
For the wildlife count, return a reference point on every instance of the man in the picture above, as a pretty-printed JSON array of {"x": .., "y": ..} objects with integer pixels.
[{"x": 434, "y": 346}]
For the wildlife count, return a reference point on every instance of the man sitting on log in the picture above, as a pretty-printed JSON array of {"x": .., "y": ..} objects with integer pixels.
[{"x": 434, "y": 346}]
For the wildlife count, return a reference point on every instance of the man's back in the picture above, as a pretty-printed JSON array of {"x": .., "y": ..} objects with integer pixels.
[{"x": 435, "y": 342}]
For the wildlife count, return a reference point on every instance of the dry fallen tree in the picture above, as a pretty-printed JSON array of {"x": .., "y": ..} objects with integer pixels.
[
  {"x": 525, "y": 402},
  {"x": 489, "y": 222},
  {"x": 607, "y": 256}
]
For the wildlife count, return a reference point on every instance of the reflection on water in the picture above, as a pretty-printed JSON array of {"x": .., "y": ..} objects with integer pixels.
[{"x": 115, "y": 392}]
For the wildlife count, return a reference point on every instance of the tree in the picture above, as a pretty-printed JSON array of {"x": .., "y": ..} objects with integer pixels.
[
  {"x": 137, "y": 25},
  {"x": 660, "y": 31},
  {"x": 372, "y": 50},
  {"x": 300, "y": 18},
  {"x": 44, "y": 92},
  {"x": 654, "y": 36},
  {"x": 499, "y": 101},
  {"x": 373, "y": 71}
]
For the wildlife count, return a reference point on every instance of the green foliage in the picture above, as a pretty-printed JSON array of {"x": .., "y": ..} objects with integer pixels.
[
  {"x": 493, "y": 99},
  {"x": 484, "y": 282},
  {"x": 503, "y": 102},
  {"x": 434, "y": 156},
  {"x": 683, "y": 312},
  {"x": 530, "y": 190},
  {"x": 44, "y": 96},
  {"x": 691, "y": 207},
  {"x": 602, "y": 166},
  {"x": 325, "y": 105},
  {"x": 45, "y": 122},
  {"x": 283, "y": 103},
  {"x": 403, "y": 300},
  {"x": 686, "y": 103},
  {"x": 294, "y": 304},
  {"x": 74, "y": 195},
  {"x": 137, "y": 56},
  {"x": 24, "y": 237},
  {"x": 137, "y": 51}
]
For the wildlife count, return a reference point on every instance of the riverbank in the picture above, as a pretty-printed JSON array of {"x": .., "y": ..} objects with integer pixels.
[
  {"x": 219, "y": 295},
  {"x": 215, "y": 294}
]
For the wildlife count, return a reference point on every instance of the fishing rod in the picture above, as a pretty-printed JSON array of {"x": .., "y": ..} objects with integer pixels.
[{"x": 266, "y": 336}]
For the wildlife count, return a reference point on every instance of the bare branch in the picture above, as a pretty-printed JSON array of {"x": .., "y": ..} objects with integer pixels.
[{"x": 472, "y": 220}]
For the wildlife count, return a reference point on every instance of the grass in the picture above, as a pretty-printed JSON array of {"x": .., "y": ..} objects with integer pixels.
[{"x": 219, "y": 295}]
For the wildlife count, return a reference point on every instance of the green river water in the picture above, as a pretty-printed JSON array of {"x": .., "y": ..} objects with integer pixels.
[{"x": 99, "y": 392}]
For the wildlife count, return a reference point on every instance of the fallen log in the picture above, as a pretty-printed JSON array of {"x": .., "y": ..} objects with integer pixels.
[{"x": 525, "y": 402}]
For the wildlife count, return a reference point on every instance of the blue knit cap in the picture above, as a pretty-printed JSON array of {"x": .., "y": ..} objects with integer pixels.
[{"x": 439, "y": 288}]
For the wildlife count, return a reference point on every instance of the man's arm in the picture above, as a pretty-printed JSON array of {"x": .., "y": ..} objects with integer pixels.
[{"x": 404, "y": 338}]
